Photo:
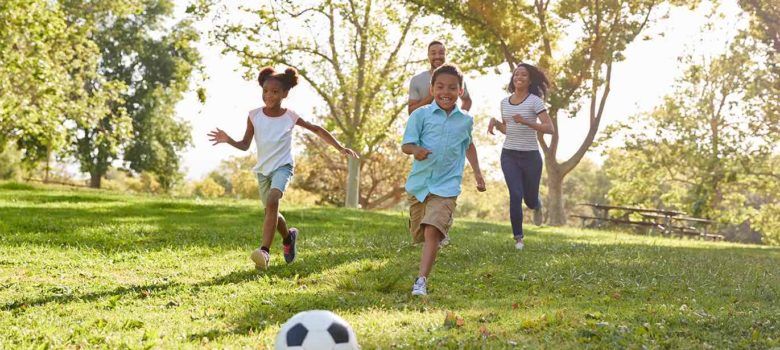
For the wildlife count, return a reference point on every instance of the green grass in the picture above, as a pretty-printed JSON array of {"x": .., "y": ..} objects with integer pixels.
[{"x": 85, "y": 268}]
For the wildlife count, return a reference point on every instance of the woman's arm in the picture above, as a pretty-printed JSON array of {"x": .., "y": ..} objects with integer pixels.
[
  {"x": 499, "y": 125},
  {"x": 545, "y": 127},
  {"x": 218, "y": 136}
]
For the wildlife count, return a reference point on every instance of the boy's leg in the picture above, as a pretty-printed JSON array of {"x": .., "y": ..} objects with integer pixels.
[
  {"x": 436, "y": 223},
  {"x": 513, "y": 176},
  {"x": 431, "y": 246}
]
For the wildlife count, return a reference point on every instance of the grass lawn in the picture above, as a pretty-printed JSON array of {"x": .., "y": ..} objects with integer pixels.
[{"x": 82, "y": 268}]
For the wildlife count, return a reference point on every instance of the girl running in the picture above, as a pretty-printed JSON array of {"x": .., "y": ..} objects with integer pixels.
[
  {"x": 523, "y": 116},
  {"x": 271, "y": 127}
]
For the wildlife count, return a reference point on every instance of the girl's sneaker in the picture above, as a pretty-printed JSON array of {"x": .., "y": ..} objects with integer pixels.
[
  {"x": 519, "y": 245},
  {"x": 261, "y": 259},
  {"x": 289, "y": 249},
  {"x": 538, "y": 218},
  {"x": 420, "y": 286}
]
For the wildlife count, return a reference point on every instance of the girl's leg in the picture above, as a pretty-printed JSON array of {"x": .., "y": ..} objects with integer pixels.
[
  {"x": 431, "y": 246},
  {"x": 281, "y": 226},
  {"x": 531, "y": 165},
  {"x": 271, "y": 217},
  {"x": 513, "y": 175}
]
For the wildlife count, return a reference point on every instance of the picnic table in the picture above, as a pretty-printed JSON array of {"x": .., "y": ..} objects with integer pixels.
[{"x": 666, "y": 221}]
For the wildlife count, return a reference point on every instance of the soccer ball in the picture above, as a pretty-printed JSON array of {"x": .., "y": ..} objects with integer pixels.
[{"x": 315, "y": 330}]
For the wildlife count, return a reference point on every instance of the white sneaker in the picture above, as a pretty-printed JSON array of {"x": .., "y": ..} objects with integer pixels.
[
  {"x": 519, "y": 244},
  {"x": 444, "y": 242},
  {"x": 420, "y": 286},
  {"x": 260, "y": 258}
]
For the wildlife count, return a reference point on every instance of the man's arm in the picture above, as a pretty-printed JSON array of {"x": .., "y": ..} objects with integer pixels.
[
  {"x": 466, "y": 105},
  {"x": 414, "y": 104}
]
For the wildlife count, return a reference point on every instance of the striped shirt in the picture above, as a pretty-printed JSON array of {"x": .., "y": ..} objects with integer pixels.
[{"x": 518, "y": 136}]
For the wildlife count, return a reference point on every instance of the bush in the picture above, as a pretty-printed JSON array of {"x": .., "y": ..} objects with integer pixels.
[
  {"x": 146, "y": 182},
  {"x": 244, "y": 185},
  {"x": 768, "y": 222},
  {"x": 10, "y": 163},
  {"x": 209, "y": 188}
]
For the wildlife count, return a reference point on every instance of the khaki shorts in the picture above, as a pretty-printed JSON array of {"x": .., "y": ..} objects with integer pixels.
[{"x": 435, "y": 211}]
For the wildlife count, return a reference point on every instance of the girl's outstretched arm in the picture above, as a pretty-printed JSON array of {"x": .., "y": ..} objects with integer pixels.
[
  {"x": 218, "y": 136},
  {"x": 327, "y": 137}
]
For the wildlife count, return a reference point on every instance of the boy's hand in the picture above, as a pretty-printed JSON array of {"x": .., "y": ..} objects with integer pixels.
[
  {"x": 480, "y": 182},
  {"x": 349, "y": 152},
  {"x": 421, "y": 153},
  {"x": 519, "y": 119},
  {"x": 218, "y": 136}
]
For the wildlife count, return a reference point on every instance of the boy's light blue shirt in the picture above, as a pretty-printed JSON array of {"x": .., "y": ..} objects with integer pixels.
[{"x": 448, "y": 138}]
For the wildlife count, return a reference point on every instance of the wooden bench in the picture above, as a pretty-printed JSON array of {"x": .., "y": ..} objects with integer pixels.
[
  {"x": 598, "y": 221},
  {"x": 667, "y": 222}
]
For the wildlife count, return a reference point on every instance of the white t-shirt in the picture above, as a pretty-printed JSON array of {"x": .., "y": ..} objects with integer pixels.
[
  {"x": 520, "y": 137},
  {"x": 273, "y": 137}
]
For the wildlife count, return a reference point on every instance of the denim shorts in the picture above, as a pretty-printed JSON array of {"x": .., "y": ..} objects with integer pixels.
[{"x": 278, "y": 179}]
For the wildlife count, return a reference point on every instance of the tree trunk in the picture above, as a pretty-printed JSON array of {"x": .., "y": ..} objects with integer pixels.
[
  {"x": 555, "y": 213},
  {"x": 48, "y": 165},
  {"x": 94, "y": 179},
  {"x": 353, "y": 183}
]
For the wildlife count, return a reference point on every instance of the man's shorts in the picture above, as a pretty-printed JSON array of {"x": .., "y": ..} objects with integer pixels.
[
  {"x": 278, "y": 179},
  {"x": 435, "y": 211}
]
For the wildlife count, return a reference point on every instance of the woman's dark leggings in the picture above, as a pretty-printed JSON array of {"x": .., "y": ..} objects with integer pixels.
[{"x": 522, "y": 173}]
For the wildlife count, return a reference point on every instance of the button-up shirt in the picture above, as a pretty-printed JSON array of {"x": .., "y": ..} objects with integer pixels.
[{"x": 447, "y": 137}]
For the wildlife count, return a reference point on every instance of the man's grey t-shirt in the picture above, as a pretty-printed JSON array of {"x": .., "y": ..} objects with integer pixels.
[{"x": 419, "y": 87}]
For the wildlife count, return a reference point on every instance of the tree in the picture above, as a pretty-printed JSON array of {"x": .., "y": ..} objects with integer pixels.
[
  {"x": 153, "y": 63},
  {"x": 765, "y": 20},
  {"x": 710, "y": 148},
  {"x": 354, "y": 54},
  {"x": 46, "y": 64},
  {"x": 514, "y": 31}
]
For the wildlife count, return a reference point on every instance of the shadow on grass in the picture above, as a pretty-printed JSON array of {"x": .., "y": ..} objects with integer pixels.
[
  {"x": 16, "y": 186},
  {"x": 114, "y": 226},
  {"x": 482, "y": 276},
  {"x": 316, "y": 263},
  {"x": 357, "y": 261}
]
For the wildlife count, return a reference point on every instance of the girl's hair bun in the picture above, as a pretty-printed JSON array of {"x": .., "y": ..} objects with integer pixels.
[
  {"x": 288, "y": 79},
  {"x": 291, "y": 76},
  {"x": 265, "y": 73}
]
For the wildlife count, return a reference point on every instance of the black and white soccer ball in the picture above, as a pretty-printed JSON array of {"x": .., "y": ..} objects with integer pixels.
[{"x": 315, "y": 330}]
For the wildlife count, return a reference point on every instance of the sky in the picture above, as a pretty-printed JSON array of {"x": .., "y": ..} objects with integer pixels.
[{"x": 638, "y": 84}]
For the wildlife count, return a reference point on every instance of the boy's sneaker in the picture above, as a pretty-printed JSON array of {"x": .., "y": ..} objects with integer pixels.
[
  {"x": 538, "y": 218},
  {"x": 289, "y": 249},
  {"x": 261, "y": 259},
  {"x": 519, "y": 245},
  {"x": 420, "y": 287},
  {"x": 444, "y": 242}
]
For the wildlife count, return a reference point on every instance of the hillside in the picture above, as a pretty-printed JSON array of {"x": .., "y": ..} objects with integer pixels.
[{"x": 81, "y": 268}]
